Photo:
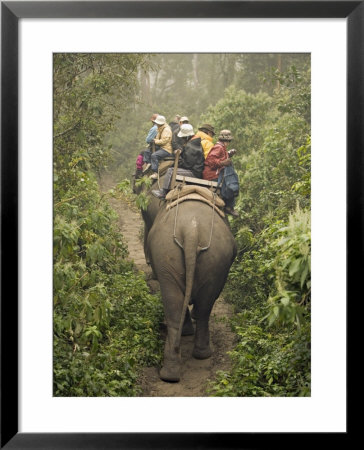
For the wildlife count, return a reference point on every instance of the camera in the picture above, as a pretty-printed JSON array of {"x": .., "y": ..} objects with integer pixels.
[{"x": 231, "y": 152}]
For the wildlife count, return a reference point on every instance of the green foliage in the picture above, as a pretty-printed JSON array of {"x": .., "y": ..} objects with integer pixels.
[
  {"x": 252, "y": 273},
  {"x": 294, "y": 91},
  {"x": 269, "y": 286},
  {"x": 105, "y": 320},
  {"x": 266, "y": 364},
  {"x": 245, "y": 115},
  {"x": 90, "y": 92},
  {"x": 303, "y": 186},
  {"x": 293, "y": 270},
  {"x": 142, "y": 201},
  {"x": 268, "y": 175},
  {"x": 103, "y": 337},
  {"x": 124, "y": 187},
  {"x": 126, "y": 141},
  {"x": 269, "y": 282},
  {"x": 144, "y": 182},
  {"x": 258, "y": 70}
]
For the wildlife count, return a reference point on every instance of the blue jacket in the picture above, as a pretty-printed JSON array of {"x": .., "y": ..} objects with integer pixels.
[{"x": 152, "y": 134}]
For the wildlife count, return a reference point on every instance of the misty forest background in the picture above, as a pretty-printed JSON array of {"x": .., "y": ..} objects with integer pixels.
[{"x": 106, "y": 322}]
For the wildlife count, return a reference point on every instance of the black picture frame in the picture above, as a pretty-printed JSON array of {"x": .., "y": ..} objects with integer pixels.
[{"x": 11, "y": 12}]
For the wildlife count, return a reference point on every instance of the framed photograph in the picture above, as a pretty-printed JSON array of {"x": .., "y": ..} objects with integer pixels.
[{"x": 32, "y": 33}]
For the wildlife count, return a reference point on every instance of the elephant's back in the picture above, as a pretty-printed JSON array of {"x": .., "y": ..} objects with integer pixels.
[
  {"x": 215, "y": 246},
  {"x": 214, "y": 233}
]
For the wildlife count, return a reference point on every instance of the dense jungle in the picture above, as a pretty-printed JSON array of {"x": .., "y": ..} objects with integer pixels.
[{"x": 108, "y": 317}]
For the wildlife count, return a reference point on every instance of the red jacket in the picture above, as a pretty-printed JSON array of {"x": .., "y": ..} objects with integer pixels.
[{"x": 213, "y": 165}]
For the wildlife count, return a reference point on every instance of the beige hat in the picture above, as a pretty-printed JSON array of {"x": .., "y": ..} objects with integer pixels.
[
  {"x": 225, "y": 135},
  {"x": 186, "y": 130},
  {"x": 160, "y": 120},
  {"x": 184, "y": 119}
]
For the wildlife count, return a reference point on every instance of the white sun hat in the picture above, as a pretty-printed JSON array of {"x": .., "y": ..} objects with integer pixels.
[
  {"x": 186, "y": 130},
  {"x": 160, "y": 120}
]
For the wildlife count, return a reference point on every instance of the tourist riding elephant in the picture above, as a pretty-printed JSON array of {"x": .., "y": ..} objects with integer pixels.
[{"x": 191, "y": 249}]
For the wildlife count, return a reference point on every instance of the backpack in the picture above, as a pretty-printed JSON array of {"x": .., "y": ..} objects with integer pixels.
[{"x": 229, "y": 181}]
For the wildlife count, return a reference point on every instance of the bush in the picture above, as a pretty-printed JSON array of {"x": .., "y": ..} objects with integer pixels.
[
  {"x": 272, "y": 357},
  {"x": 105, "y": 320},
  {"x": 103, "y": 359},
  {"x": 266, "y": 364},
  {"x": 292, "y": 270},
  {"x": 269, "y": 282}
]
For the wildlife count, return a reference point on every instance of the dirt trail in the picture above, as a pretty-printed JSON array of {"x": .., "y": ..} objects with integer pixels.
[{"x": 195, "y": 373}]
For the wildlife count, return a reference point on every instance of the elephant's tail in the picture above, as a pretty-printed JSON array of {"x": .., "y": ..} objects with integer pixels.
[{"x": 191, "y": 250}]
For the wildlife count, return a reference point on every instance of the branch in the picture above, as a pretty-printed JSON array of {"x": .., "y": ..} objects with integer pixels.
[
  {"x": 68, "y": 199},
  {"x": 68, "y": 130}
]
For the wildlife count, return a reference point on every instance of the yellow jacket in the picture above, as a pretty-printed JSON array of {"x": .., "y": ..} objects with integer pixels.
[
  {"x": 164, "y": 138},
  {"x": 206, "y": 142}
]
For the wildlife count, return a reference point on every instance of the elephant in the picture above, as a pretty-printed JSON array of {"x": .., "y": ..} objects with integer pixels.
[{"x": 191, "y": 249}]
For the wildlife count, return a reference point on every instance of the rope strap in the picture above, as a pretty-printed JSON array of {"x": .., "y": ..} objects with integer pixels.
[{"x": 176, "y": 203}]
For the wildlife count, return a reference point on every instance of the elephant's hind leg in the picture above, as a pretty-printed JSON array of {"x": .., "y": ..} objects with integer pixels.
[
  {"x": 202, "y": 349},
  {"x": 172, "y": 297},
  {"x": 201, "y": 313},
  {"x": 171, "y": 370}
]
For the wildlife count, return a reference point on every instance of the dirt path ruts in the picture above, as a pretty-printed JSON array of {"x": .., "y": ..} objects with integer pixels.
[{"x": 195, "y": 373}]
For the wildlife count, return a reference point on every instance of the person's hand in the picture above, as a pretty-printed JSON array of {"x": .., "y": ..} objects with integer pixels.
[{"x": 226, "y": 162}]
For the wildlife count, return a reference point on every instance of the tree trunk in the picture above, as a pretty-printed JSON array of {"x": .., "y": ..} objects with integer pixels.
[
  {"x": 279, "y": 68},
  {"x": 146, "y": 87},
  {"x": 194, "y": 67}
]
